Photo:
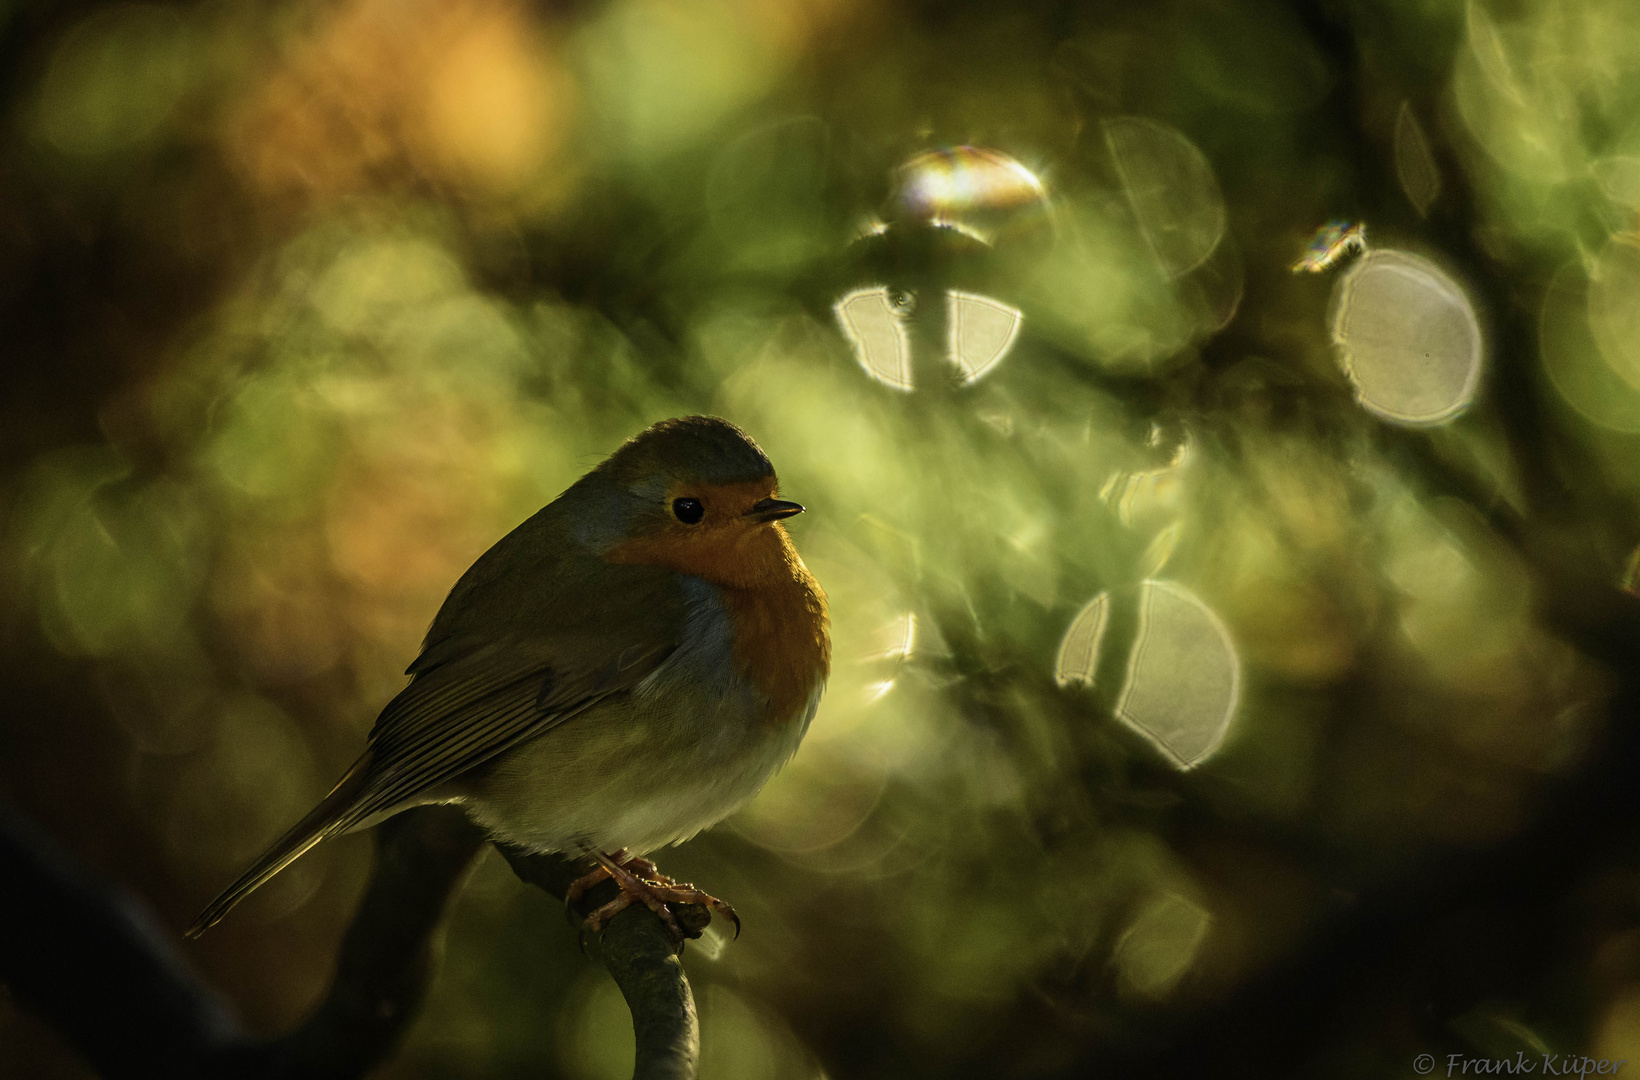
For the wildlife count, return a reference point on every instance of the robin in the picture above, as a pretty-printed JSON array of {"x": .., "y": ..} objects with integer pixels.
[{"x": 621, "y": 671}]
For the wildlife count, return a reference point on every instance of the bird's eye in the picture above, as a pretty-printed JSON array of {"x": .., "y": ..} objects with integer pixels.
[{"x": 688, "y": 511}]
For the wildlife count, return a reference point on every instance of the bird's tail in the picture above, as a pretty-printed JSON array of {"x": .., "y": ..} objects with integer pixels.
[{"x": 323, "y": 821}]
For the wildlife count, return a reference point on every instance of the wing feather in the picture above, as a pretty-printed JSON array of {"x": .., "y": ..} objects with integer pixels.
[
  {"x": 471, "y": 697},
  {"x": 525, "y": 641}
]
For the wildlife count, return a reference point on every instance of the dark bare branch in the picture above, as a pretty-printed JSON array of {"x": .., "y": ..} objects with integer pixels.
[
  {"x": 642, "y": 960},
  {"x": 92, "y": 963},
  {"x": 390, "y": 954},
  {"x": 95, "y": 965}
]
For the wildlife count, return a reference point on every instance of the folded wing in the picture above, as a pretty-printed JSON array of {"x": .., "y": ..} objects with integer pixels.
[{"x": 474, "y": 695}]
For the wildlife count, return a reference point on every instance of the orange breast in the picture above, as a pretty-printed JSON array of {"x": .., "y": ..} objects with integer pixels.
[{"x": 782, "y": 638}]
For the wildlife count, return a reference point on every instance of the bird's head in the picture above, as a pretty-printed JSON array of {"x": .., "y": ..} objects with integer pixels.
[{"x": 698, "y": 496}]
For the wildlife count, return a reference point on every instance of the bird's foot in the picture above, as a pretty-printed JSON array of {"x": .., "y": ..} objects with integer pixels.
[
  {"x": 648, "y": 870},
  {"x": 653, "y": 889}
]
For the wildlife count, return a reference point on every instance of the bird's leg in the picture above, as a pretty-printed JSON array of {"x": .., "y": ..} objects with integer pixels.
[
  {"x": 580, "y": 885},
  {"x": 654, "y": 890}
]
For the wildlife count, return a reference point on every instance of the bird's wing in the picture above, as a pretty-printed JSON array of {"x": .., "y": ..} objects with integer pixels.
[
  {"x": 506, "y": 660},
  {"x": 474, "y": 696},
  {"x": 467, "y": 711}
]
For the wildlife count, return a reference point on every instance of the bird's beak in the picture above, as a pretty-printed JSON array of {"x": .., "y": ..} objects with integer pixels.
[{"x": 774, "y": 509}]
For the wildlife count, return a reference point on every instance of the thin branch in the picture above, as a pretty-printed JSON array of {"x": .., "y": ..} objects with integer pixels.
[{"x": 642, "y": 960}]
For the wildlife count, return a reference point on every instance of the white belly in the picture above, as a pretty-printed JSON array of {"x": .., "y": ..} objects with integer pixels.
[
  {"x": 611, "y": 778},
  {"x": 685, "y": 749}
]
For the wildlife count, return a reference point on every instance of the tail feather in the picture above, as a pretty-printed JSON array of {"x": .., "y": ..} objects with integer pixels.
[{"x": 322, "y": 822}]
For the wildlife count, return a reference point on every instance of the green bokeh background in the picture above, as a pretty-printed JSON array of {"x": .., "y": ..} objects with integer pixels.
[{"x": 304, "y": 304}]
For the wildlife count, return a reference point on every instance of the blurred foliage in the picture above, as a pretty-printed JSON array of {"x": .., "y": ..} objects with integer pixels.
[{"x": 1235, "y": 666}]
